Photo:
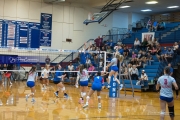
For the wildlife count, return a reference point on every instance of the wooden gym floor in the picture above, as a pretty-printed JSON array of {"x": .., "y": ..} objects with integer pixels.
[{"x": 144, "y": 106}]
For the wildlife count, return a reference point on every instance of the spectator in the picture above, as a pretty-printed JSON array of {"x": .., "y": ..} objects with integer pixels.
[
  {"x": 91, "y": 68},
  {"x": 158, "y": 54},
  {"x": 144, "y": 44},
  {"x": 169, "y": 55},
  {"x": 137, "y": 43},
  {"x": 47, "y": 60},
  {"x": 163, "y": 54},
  {"x": 155, "y": 25},
  {"x": 111, "y": 44},
  {"x": 175, "y": 47},
  {"x": 149, "y": 24},
  {"x": 139, "y": 54},
  {"x": 126, "y": 52},
  {"x": 101, "y": 63},
  {"x": 121, "y": 50},
  {"x": 139, "y": 64},
  {"x": 98, "y": 41},
  {"x": 153, "y": 51},
  {"x": 143, "y": 57},
  {"x": 88, "y": 62},
  {"x": 133, "y": 55},
  {"x": 70, "y": 67},
  {"x": 119, "y": 42},
  {"x": 38, "y": 68},
  {"x": 143, "y": 78},
  {"x": 109, "y": 50},
  {"x": 133, "y": 61},
  {"x": 134, "y": 73},
  {"x": 155, "y": 43},
  {"x": 149, "y": 57}
]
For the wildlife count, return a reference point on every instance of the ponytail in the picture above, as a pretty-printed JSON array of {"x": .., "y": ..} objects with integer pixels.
[
  {"x": 119, "y": 57},
  {"x": 33, "y": 69}
]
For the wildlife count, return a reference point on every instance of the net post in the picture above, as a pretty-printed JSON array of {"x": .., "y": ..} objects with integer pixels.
[{"x": 104, "y": 61}]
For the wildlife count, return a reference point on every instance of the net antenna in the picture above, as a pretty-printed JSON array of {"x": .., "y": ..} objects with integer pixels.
[{"x": 109, "y": 8}]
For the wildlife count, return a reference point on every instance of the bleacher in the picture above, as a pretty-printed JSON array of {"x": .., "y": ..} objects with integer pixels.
[{"x": 170, "y": 34}]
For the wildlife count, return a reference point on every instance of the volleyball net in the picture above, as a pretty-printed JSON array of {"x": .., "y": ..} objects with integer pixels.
[{"x": 22, "y": 59}]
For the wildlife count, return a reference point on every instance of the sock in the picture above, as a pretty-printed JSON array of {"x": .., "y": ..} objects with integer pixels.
[{"x": 87, "y": 100}]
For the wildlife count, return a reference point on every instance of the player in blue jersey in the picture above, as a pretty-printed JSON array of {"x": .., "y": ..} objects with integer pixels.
[
  {"x": 96, "y": 86},
  {"x": 114, "y": 68},
  {"x": 58, "y": 77},
  {"x": 32, "y": 76},
  {"x": 166, "y": 93},
  {"x": 83, "y": 76}
]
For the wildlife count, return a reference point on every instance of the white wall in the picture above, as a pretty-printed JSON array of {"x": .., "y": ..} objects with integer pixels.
[
  {"x": 137, "y": 17},
  {"x": 67, "y": 20},
  {"x": 120, "y": 19}
]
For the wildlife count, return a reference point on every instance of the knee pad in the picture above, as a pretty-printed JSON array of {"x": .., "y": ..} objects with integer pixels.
[
  {"x": 87, "y": 97},
  {"x": 109, "y": 77},
  {"x": 84, "y": 94},
  {"x": 63, "y": 89},
  {"x": 171, "y": 111},
  {"x": 162, "y": 113},
  {"x": 99, "y": 97}
]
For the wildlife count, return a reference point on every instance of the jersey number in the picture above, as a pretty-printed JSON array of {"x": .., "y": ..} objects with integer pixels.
[{"x": 165, "y": 81}]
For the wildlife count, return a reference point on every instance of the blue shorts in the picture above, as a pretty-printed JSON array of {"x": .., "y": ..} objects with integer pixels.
[
  {"x": 56, "y": 82},
  {"x": 114, "y": 68},
  {"x": 83, "y": 83},
  {"x": 166, "y": 99},
  {"x": 96, "y": 87},
  {"x": 30, "y": 84}
]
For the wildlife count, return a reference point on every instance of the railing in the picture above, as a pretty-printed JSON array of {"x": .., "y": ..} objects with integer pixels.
[{"x": 74, "y": 55}]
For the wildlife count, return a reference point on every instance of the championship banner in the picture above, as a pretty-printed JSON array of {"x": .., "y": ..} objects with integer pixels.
[
  {"x": 46, "y": 21},
  {"x": 45, "y": 38},
  {"x": 148, "y": 36}
]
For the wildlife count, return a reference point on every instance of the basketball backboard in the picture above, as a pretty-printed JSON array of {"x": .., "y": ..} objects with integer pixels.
[{"x": 96, "y": 17}]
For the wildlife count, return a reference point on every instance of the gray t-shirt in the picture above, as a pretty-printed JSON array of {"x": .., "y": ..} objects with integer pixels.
[{"x": 166, "y": 83}]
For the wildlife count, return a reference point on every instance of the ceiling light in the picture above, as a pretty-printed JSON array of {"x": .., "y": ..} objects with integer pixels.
[
  {"x": 146, "y": 10},
  {"x": 173, "y": 7},
  {"x": 124, "y": 6},
  {"x": 152, "y": 2}
]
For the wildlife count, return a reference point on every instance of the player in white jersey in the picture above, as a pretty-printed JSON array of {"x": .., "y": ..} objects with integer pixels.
[
  {"x": 114, "y": 69},
  {"x": 166, "y": 93},
  {"x": 83, "y": 75},
  {"x": 32, "y": 76},
  {"x": 45, "y": 76}
]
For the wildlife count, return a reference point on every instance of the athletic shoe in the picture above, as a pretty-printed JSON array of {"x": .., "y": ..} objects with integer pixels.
[
  {"x": 99, "y": 105},
  {"x": 76, "y": 85},
  {"x": 108, "y": 86},
  {"x": 33, "y": 100},
  {"x": 66, "y": 96},
  {"x": 27, "y": 98},
  {"x": 56, "y": 94},
  {"x": 121, "y": 86},
  {"x": 85, "y": 106}
]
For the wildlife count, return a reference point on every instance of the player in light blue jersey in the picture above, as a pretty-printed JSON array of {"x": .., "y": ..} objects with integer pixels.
[
  {"x": 83, "y": 75},
  {"x": 96, "y": 86},
  {"x": 114, "y": 68},
  {"x": 58, "y": 81},
  {"x": 166, "y": 93},
  {"x": 32, "y": 76}
]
